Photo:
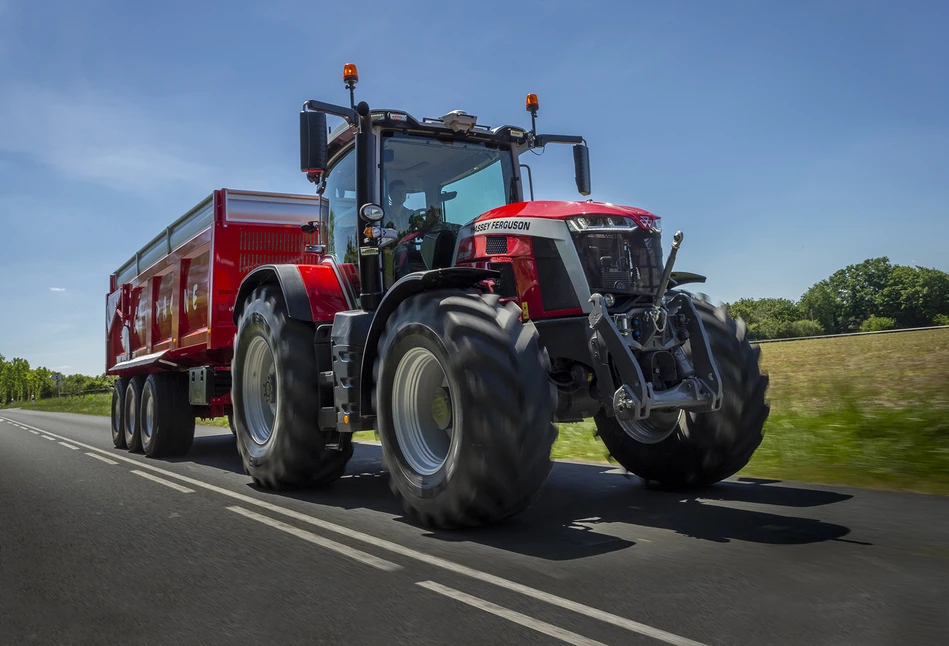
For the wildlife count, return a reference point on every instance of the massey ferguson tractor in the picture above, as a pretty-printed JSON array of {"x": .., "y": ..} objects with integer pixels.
[{"x": 419, "y": 295}]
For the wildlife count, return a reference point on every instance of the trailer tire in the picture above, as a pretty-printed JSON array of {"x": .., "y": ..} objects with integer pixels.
[
  {"x": 274, "y": 360},
  {"x": 463, "y": 365},
  {"x": 132, "y": 424},
  {"x": 704, "y": 448},
  {"x": 118, "y": 413},
  {"x": 167, "y": 417}
]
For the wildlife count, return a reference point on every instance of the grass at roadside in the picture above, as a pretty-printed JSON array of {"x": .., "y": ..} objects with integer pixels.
[{"x": 866, "y": 411}]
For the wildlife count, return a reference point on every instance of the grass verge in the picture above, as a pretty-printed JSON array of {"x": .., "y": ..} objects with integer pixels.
[{"x": 865, "y": 411}]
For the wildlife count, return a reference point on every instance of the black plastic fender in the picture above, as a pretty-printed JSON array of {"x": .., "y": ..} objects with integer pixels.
[
  {"x": 414, "y": 283},
  {"x": 291, "y": 285}
]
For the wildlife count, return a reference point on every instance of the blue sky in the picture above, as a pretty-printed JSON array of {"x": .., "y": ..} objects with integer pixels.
[{"x": 786, "y": 139}]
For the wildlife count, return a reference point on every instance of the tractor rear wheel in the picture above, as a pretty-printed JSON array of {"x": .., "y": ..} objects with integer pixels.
[
  {"x": 464, "y": 408},
  {"x": 282, "y": 445},
  {"x": 118, "y": 413},
  {"x": 167, "y": 417},
  {"x": 679, "y": 450}
]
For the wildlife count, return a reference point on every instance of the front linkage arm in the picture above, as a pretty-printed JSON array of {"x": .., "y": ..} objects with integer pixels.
[{"x": 634, "y": 398}]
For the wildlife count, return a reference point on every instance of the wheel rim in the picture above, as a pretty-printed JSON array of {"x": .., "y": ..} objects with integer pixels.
[
  {"x": 148, "y": 414},
  {"x": 654, "y": 429},
  {"x": 130, "y": 414},
  {"x": 422, "y": 411},
  {"x": 260, "y": 390},
  {"x": 116, "y": 413}
]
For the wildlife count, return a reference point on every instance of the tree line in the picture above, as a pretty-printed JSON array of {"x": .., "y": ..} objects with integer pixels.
[
  {"x": 871, "y": 296},
  {"x": 19, "y": 382}
]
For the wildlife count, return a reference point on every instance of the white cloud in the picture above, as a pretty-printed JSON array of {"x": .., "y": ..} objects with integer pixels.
[
  {"x": 96, "y": 137},
  {"x": 57, "y": 289}
]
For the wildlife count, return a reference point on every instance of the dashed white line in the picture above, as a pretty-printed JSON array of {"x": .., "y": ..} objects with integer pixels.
[
  {"x": 516, "y": 617},
  {"x": 47, "y": 437},
  {"x": 99, "y": 457},
  {"x": 32, "y": 431},
  {"x": 445, "y": 564},
  {"x": 70, "y": 446},
  {"x": 326, "y": 543},
  {"x": 173, "y": 485}
]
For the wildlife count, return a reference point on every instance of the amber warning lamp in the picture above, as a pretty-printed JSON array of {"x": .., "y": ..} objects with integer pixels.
[
  {"x": 532, "y": 105},
  {"x": 350, "y": 78}
]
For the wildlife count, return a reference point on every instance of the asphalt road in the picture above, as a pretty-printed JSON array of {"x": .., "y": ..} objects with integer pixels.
[{"x": 101, "y": 546}]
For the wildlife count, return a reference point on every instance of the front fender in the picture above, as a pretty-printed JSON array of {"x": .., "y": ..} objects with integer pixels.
[
  {"x": 414, "y": 283},
  {"x": 313, "y": 293}
]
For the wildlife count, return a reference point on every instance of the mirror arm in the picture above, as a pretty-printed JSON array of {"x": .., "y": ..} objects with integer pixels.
[{"x": 335, "y": 110}]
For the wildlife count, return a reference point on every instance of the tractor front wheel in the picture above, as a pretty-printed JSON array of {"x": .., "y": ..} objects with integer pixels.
[
  {"x": 681, "y": 449},
  {"x": 464, "y": 408}
]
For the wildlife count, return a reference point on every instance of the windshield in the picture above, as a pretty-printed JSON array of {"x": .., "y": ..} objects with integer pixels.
[{"x": 427, "y": 182}]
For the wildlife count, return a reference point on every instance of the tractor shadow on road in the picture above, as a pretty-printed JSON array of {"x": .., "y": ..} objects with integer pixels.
[{"x": 587, "y": 509}]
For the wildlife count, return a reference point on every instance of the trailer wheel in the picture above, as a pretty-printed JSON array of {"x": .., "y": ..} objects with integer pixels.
[
  {"x": 699, "y": 449},
  {"x": 167, "y": 417},
  {"x": 118, "y": 413},
  {"x": 464, "y": 408},
  {"x": 275, "y": 378},
  {"x": 133, "y": 418}
]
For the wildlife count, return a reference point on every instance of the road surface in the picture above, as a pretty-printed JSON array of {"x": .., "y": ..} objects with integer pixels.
[{"x": 101, "y": 546}]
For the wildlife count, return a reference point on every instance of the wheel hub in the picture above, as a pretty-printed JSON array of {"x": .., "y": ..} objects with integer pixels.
[
  {"x": 422, "y": 411},
  {"x": 259, "y": 390},
  {"x": 654, "y": 429}
]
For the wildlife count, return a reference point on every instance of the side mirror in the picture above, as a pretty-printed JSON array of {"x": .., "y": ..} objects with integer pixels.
[
  {"x": 581, "y": 164},
  {"x": 312, "y": 142}
]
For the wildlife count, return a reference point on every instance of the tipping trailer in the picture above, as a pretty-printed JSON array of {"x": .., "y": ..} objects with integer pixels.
[
  {"x": 170, "y": 307},
  {"x": 421, "y": 295}
]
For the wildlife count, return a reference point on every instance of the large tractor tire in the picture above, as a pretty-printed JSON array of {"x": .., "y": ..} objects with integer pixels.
[
  {"x": 118, "y": 413},
  {"x": 282, "y": 447},
  {"x": 684, "y": 450},
  {"x": 132, "y": 424},
  {"x": 464, "y": 408},
  {"x": 167, "y": 416}
]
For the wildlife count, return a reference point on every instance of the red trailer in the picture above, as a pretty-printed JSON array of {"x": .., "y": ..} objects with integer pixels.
[{"x": 171, "y": 306}]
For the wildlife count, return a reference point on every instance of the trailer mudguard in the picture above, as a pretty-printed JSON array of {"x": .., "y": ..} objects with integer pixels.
[
  {"x": 414, "y": 283},
  {"x": 313, "y": 293}
]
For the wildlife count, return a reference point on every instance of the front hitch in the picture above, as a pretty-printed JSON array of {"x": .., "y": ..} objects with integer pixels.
[{"x": 633, "y": 397}]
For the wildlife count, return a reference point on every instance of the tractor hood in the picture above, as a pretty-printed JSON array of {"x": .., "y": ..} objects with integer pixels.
[{"x": 554, "y": 210}]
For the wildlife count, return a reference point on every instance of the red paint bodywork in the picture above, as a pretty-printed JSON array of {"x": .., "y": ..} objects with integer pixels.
[
  {"x": 563, "y": 210},
  {"x": 178, "y": 312},
  {"x": 472, "y": 251}
]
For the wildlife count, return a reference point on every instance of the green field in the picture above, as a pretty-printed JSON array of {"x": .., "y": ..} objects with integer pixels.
[{"x": 866, "y": 410}]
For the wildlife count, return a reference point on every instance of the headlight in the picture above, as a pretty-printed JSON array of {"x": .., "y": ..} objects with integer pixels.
[{"x": 372, "y": 212}]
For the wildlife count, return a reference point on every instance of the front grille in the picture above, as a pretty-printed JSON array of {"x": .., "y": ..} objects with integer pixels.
[
  {"x": 625, "y": 262},
  {"x": 497, "y": 245},
  {"x": 556, "y": 290}
]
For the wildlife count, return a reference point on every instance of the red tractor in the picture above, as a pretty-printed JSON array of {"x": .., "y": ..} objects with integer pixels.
[{"x": 437, "y": 307}]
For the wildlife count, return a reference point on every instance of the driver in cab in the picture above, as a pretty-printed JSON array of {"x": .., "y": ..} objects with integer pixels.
[{"x": 398, "y": 215}]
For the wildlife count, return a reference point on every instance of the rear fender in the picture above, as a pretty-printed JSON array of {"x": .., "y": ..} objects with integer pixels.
[
  {"x": 313, "y": 293},
  {"x": 406, "y": 287}
]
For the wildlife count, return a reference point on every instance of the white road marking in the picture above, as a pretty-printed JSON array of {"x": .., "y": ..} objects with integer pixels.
[
  {"x": 173, "y": 485},
  {"x": 339, "y": 548},
  {"x": 445, "y": 564},
  {"x": 33, "y": 432},
  {"x": 70, "y": 446},
  {"x": 47, "y": 437},
  {"x": 516, "y": 617},
  {"x": 99, "y": 457}
]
